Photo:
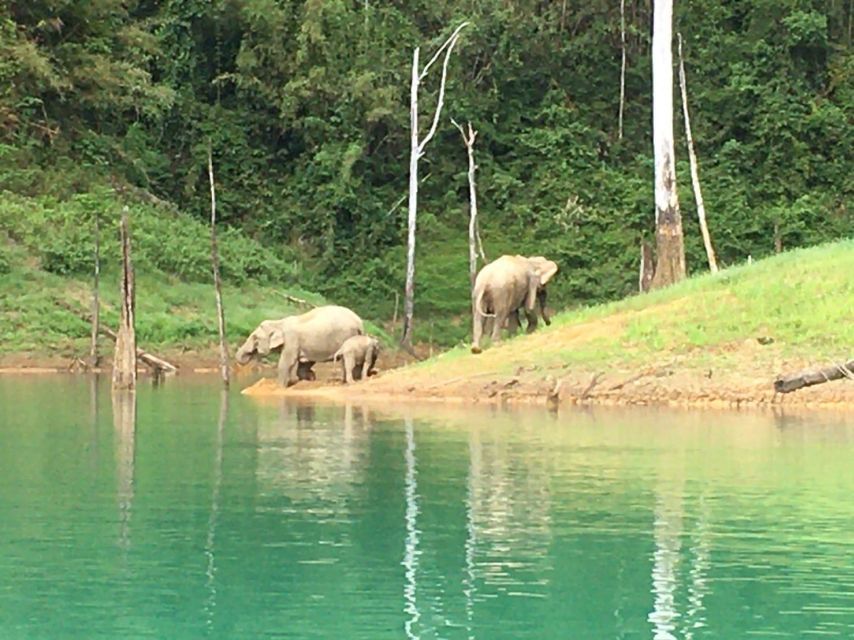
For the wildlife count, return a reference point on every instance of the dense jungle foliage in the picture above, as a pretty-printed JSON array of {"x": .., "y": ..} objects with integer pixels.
[{"x": 307, "y": 107}]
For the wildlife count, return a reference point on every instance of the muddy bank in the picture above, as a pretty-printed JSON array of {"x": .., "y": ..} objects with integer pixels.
[{"x": 651, "y": 386}]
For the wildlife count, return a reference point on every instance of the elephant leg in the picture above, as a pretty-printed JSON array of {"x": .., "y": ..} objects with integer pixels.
[
  {"x": 532, "y": 320},
  {"x": 288, "y": 366},
  {"x": 513, "y": 323},
  {"x": 305, "y": 372},
  {"x": 349, "y": 363},
  {"x": 498, "y": 324},
  {"x": 374, "y": 355},
  {"x": 477, "y": 332},
  {"x": 368, "y": 363}
]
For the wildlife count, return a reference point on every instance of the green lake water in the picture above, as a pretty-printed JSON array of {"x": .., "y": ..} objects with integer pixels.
[{"x": 195, "y": 514}]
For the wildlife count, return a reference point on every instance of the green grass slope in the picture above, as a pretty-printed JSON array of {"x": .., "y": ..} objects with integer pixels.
[
  {"x": 46, "y": 259},
  {"x": 793, "y": 307}
]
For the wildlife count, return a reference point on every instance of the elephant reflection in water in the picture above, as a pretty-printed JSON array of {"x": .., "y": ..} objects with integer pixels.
[
  {"x": 312, "y": 453},
  {"x": 509, "y": 512}
]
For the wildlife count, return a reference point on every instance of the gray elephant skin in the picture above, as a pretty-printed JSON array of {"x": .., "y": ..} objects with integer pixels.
[
  {"x": 304, "y": 339},
  {"x": 358, "y": 356},
  {"x": 505, "y": 286}
]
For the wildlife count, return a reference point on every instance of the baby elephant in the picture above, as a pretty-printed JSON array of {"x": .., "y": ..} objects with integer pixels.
[{"x": 358, "y": 351}]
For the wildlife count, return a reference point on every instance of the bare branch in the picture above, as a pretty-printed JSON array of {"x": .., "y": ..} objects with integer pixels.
[
  {"x": 695, "y": 172},
  {"x": 449, "y": 42}
]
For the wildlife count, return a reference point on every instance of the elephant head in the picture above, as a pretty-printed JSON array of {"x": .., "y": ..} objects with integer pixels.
[
  {"x": 269, "y": 335},
  {"x": 542, "y": 270}
]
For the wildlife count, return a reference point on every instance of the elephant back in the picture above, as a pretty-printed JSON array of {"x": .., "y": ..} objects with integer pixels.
[{"x": 324, "y": 329}]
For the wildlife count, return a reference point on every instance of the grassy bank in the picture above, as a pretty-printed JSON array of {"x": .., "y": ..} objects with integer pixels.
[
  {"x": 46, "y": 249},
  {"x": 721, "y": 336}
]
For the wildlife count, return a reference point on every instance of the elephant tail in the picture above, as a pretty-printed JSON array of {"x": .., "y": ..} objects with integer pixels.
[
  {"x": 478, "y": 305},
  {"x": 337, "y": 355}
]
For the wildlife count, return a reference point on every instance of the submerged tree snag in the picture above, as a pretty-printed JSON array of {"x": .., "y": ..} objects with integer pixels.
[
  {"x": 220, "y": 311},
  {"x": 124, "y": 362},
  {"x": 787, "y": 384}
]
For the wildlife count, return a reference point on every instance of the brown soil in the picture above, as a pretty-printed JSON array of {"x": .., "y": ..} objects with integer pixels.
[{"x": 740, "y": 376}]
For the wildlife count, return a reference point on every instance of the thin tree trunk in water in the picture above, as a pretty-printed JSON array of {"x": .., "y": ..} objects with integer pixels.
[
  {"x": 623, "y": 65},
  {"x": 220, "y": 311},
  {"x": 695, "y": 172},
  {"x": 670, "y": 244},
  {"x": 96, "y": 305},
  {"x": 409, "y": 291},
  {"x": 124, "y": 362}
]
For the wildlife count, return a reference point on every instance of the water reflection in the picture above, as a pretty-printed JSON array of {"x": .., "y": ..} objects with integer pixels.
[
  {"x": 667, "y": 530},
  {"x": 701, "y": 563},
  {"x": 210, "y": 570},
  {"x": 308, "y": 453},
  {"x": 411, "y": 552},
  {"x": 124, "y": 428},
  {"x": 239, "y": 519}
]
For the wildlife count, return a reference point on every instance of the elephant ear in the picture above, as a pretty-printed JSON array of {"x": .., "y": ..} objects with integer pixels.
[
  {"x": 546, "y": 269},
  {"x": 277, "y": 338}
]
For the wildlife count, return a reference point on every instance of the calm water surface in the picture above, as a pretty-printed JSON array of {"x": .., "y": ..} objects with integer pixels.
[{"x": 197, "y": 514}]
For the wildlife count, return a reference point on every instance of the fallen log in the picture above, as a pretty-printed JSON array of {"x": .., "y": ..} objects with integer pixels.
[
  {"x": 297, "y": 301},
  {"x": 787, "y": 384},
  {"x": 152, "y": 361},
  {"x": 149, "y": 359}
]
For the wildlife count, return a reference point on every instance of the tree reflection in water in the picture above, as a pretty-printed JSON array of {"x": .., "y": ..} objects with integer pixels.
[{"x": 124, "y": 423}]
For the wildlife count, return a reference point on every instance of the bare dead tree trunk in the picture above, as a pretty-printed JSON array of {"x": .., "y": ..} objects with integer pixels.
[
  {"x": 623, "y": 65},
  {"x": 124, "y": 362},
  {"x": 479, "y": 243},
  {"x": 409, "y": 289},
  {"x": 647, "y": 267},
  {"x": 416, "y": 151},
  {"x": 695, "y": 172},
  {"x": 220, "y": 312},
  {"x": 778, "y": 238},
  {"x": 670, "y": 243},
  {"x": 96, "y": 305},
  {"x": 468, "y": 141}
]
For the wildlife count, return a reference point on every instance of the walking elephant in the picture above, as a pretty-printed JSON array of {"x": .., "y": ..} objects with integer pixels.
[
  {"x": 358, "y": 357},
  {"x": 304, "y": 339},
  {"x": 505, "y": 286}
]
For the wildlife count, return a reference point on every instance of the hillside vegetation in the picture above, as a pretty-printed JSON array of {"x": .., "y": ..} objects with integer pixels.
[
  {"x": 306, "y": 106},
  {"x": 46, "y": 263}
]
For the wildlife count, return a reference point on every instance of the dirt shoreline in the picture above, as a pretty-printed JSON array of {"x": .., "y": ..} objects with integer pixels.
[
  {"x": 623, "y": 389},
  {"x": 663, "y": 385}
]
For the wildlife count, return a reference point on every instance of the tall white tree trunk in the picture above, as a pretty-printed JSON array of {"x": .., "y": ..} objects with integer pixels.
[
  {"x": 220, "y": 311},
  {"x": 96, "y": 305},
  {"x": 670, "y": 263},
  {"x": 623, "y": 65},
  {"x": 468, "y": 141},
  {"x": 416, "y": 151},
  {"x": 124, "y": 361},
  {"x": 409, "y": 291},
  {"x": 695, "y": 172}
]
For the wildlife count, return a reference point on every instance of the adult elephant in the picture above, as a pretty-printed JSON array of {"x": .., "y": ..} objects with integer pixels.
[
  {"x": 503, "y": 287},
  {"x": 311, "y": 337}
]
